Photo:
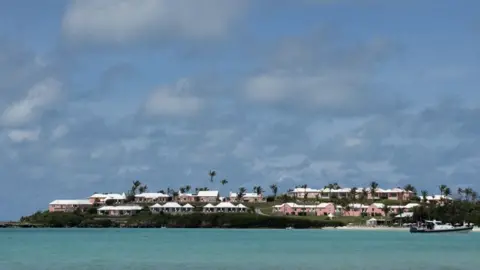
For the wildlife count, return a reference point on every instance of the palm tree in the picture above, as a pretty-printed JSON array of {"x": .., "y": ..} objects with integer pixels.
[
  {"x": 241, "y": 193},
  {"x": 447, "y": 193},
  {"x": 142, "y": 189},
  {"x": 224, "y": 182},
  {"x": 188, "y": 188},
  {"x": 353, "y": 194},
  {"x": 258, "y": 189},
  {"x": 212, "y": 175},
  {"x": 442, "y": 189},
  {"x": 182, "y": 190},
  {"x": 410, "y": 188},
  {"x": 468, "y": 193},
  {"x": 274, "y": 189},
  {"x": 373, "y": 189},
  {"x": 460, "y": 193},
  {"x": 386, "y": 210},
  {"x": 161, "y": 191},
  {"x": 424, "y": 195},
  {"x": 474, "y": 195}
]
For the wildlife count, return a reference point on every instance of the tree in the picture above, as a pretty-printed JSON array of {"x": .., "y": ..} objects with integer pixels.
[
  {"x": 373, "y": 189},
  {"x": 460, "y": 193},
  {"x": 424, "y": 196},
  {"x": 142, "y": 189},
  {"x": 182, "y": 190},
  {"x": 161, "y": 191},
  {"x": 258, "y": 189},
  {"x": 224, "y": 182},
  {"x": 442, "y": 189},
  {"x": 188, "y": 188},
  {"x": 212, "y": 175},
  {"x": 386, "y": 210},
  {"x": 410, "y": 188},
  {"x": 241, "y": 193},
  {"x": 353, "y": 194},
  {"x": 274, "y": 189}
]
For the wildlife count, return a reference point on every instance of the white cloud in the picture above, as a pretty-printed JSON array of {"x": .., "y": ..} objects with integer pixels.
[
  {"x": 59, "y": 132},
  {"x": 173, "y": 101},
  {"x": 39, "y": 97},
  {"x": 23, "y": 135},
  {"x": 125, "y": 21},
  {"x": 319, "y": 90}
]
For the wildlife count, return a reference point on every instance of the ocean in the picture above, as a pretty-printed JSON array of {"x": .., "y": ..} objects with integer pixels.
[{"x": 171, "y": 249}]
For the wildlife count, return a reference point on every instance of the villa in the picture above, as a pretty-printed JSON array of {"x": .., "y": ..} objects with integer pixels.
[
  {"x": 209, "y": 196},
  {"x": 68, "y": 205},
  {"x": 185, "y": 197},
  {"x": 225, "y": 207},
  {"x": 247, "y": 197},
  {"x": 321, "y": 209},
  {"x": 151, "y": 198},
  {"x": 172, "y": 208},
  {"x": 119, "y": 210},
  {"x": 101, "y": 198},
  {"x": 326, "y": 193},
  {"x": 437, "y": 198}
]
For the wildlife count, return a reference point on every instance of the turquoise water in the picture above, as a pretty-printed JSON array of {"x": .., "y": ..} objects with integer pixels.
[{"x": 172, "y": 249}]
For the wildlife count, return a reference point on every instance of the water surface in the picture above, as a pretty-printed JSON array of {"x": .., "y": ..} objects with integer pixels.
[{"x": 121, "y": 249}]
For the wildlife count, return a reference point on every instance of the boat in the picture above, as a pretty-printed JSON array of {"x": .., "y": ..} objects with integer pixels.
[
  {"x": 289, "y": 228},
  {"x": 434, "y": 226}
]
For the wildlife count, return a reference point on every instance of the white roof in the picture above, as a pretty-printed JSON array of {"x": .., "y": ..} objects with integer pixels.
[
  {"x": 114, "y": 196},
  {"x": 241, "y": 206},
  {"x": 208, "y": 193},
  {"x": 378, "y": 205},
  {"x": 120, "y": 208},
  {"x": 412, "y": 205},
  {"x": 171, "y": 205},
  {"x": 225, "y": 205},
  {"x": 246, "y": 195},
  {"x": 346, "y": 190},
  {"x": 185, "y": 194},
  {"x": 209, "y": 206},
  {"x": 358, "y": 206},
  {"x": 323, "y": 205},
  {"x": 188, "y": 206},
  {"x": 438, "y": 198},
  {"x": 292, "y": 205},
  {"x": 152, "y": 195},
  {"x": 156, "y": 206},
  {"x": 68, "y": 202}
]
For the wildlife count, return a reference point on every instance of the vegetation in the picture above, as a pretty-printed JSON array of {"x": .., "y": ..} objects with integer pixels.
[{"x": 145, "y": 219}]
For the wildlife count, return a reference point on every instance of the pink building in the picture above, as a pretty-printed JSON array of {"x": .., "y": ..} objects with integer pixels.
[
  {"x": 185, "y": 197},
  {"x": 326, "y": 193},
  {"x": 375, "y": 209},
  {"x": 68, "y": 205},
  {"x": 101, "y": 198},
  {"x": 209, "y": 196},
  {"x": 321, "y": 209}
]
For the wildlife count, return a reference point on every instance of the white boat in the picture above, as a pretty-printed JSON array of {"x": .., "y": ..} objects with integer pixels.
[
  {"x": 289, "y": 228},
  {"x": 434, "y": 226}
]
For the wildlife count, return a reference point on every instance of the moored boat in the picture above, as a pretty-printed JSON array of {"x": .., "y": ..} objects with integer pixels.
[{"x": 434, "y": 226}]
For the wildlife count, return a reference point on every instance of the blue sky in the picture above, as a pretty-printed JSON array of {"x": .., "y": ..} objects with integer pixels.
[{"x": 95, "y": 94}]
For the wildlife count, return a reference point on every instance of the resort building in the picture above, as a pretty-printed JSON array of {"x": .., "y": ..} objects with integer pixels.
[
  {"x": 326, "y": 193},
  {"x": 185, "y": 197},
  {"x": 68, "y": 205},
  {"x": 151, "y": 198},
  {"x": 172, "y": 208},
  {"x": 322, "y": 209},
  {"x": 101, "y": 198},
  {"x": 119, "y": 210},
  {"x": 438, "y": 198},
  {"x": 209, "y": 196},
  {"x": 225, "y": 207},
  {"x": 246, "y": 198}
]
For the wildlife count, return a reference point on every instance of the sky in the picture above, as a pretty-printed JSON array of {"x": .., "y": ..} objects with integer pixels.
[{"x": 96, "y": 94}]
